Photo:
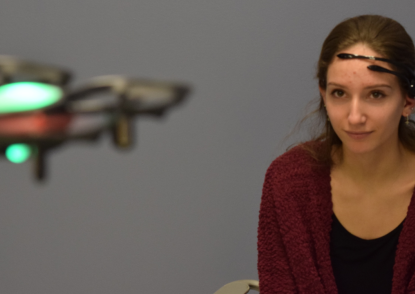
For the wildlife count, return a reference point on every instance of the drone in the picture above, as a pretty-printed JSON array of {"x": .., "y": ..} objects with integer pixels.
[{"x": 39, "y": 111}]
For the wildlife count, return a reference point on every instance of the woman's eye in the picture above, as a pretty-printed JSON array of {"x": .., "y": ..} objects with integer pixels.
[
  {"x": 377, "y": 94},
  {"x": 338, "y": 93}
]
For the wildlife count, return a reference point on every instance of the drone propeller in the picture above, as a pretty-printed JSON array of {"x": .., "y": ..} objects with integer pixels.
[{"x": 133, "y": 97}]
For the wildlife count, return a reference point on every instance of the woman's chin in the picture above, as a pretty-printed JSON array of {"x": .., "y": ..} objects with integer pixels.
[{"x": 360, "y": 148}]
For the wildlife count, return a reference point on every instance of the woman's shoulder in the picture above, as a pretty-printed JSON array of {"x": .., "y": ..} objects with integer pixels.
[
  {"x": 296, "y": 161},
  {"x": 296, "y": 176}
]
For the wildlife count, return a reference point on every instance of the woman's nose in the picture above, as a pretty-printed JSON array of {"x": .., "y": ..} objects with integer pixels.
[{"x": 356, "y": 112}]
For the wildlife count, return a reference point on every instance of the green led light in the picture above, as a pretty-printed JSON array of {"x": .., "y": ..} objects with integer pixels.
[
  {"x": 18, "y": 153},
  {"x": 26, "y": 96}
]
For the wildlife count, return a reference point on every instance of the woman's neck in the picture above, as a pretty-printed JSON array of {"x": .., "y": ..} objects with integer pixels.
[{"x": 377, "y": 167}]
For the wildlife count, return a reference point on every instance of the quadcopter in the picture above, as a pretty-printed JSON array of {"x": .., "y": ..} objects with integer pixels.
[{"x": 39, "y": 111}]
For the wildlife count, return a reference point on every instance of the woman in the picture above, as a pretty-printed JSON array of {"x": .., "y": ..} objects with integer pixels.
[{"x": 336, "y": 214}]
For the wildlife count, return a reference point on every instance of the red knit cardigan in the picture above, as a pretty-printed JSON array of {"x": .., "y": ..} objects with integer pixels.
[{"x": 294, "y": 231}]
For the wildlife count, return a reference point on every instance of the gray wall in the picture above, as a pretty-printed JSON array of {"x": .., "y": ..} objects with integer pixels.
[{"x": 178, "y": 214}]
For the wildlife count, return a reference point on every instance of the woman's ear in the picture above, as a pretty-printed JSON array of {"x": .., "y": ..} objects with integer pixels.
[{"x": 409, "y": 105}]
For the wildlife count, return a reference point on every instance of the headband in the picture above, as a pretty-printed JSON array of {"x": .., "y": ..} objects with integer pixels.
[{"x": 408, "y": 77}]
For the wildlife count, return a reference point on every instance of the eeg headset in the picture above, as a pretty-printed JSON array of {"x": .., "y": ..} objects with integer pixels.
[{"x": 407, "y": 75}]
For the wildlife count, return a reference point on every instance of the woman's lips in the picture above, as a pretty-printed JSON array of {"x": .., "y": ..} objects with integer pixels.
[{"x": 358, "y": 135}]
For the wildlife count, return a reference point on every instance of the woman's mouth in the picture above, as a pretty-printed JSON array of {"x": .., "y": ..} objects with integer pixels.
[{"x": 358, "y": 135}]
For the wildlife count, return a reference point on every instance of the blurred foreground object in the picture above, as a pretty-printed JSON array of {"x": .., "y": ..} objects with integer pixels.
[
  {"x": 38, "y": 112},
  {"x": 131, "y": 97},
  {"x": 239, "y": 287}
]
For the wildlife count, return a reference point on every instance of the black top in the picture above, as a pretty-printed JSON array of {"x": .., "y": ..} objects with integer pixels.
[{"x": 362, "y": 266}]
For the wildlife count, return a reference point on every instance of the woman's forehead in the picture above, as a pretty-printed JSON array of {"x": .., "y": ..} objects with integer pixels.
[{"x": 355, "y": 70}]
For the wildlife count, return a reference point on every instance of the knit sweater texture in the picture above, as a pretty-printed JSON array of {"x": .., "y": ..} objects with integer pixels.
[{"x": 294, "y": 231}]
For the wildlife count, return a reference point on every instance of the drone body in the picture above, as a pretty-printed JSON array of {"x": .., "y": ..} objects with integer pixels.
[{"x": 39, "y": 112}]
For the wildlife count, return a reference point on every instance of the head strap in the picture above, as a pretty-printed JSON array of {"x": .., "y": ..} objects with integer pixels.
[{"x": 407, "y": 75}]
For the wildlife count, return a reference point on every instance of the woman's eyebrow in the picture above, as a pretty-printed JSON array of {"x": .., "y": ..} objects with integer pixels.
[
  {"x": 368, "y": 87},
  {"x": 336, "y": 85},
  {"x": 378, "y": 86}
]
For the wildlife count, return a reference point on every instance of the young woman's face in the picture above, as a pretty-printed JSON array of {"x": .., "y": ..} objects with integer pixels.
[{"x": 364, "y": 106}]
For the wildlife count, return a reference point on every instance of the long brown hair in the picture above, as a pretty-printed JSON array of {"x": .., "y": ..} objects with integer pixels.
[{"x": 383, "y": 35}]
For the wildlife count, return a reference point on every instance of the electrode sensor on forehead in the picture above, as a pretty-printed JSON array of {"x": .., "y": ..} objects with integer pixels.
[{"x": 407, "y": 76}]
